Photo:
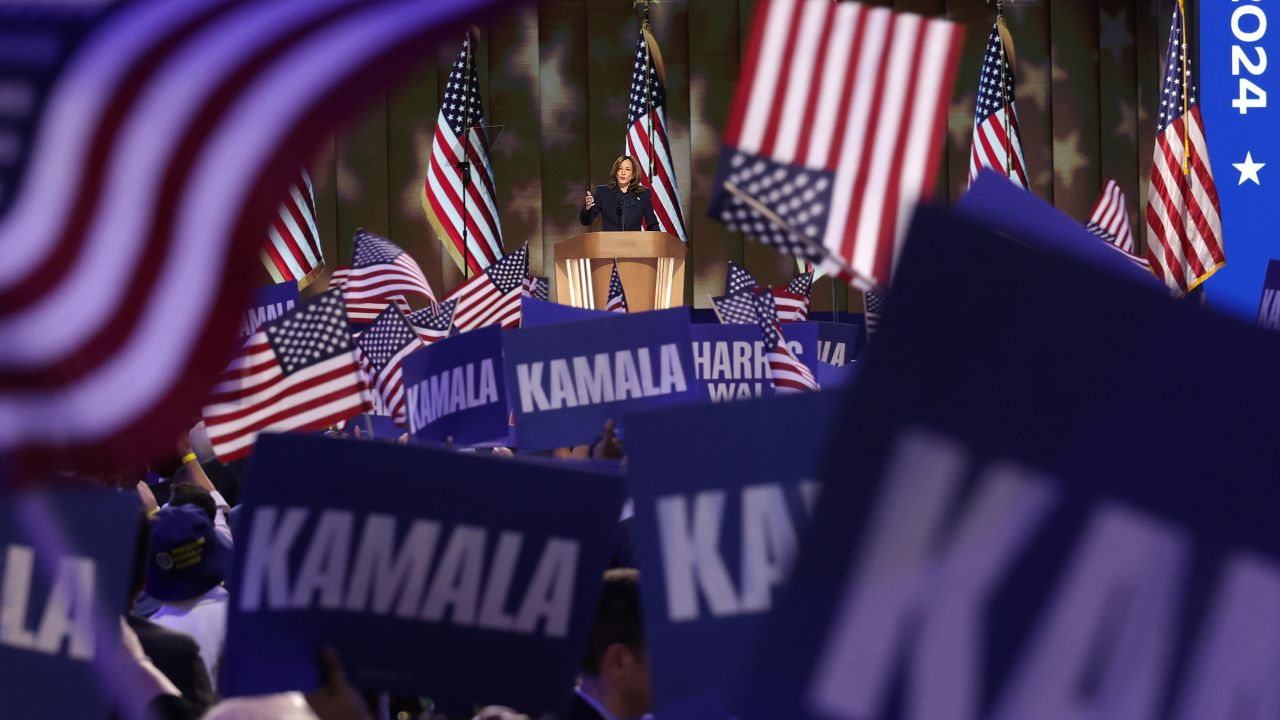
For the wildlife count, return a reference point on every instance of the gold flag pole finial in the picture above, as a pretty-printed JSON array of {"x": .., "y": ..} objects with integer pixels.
[{"x": 1186, "y": 80}]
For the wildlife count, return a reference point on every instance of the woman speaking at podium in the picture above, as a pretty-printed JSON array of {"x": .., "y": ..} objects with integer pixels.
[{"x": 622, "y": 202}]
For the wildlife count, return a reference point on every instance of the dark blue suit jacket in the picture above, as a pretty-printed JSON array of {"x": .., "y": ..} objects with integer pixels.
[{"x": 634, "y": 207}]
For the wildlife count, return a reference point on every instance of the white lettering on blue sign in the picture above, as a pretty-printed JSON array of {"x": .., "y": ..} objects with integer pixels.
[
  {"x": 374, "y": 574},
  {"x": 693, "y": 566},
  {"x": 918, "y": 599},
  {"x": 832, "y": 353},
  {"x": 67, "y": 614},
  {"x": 445, "y": 393},
  {"x": 733, "y": 369},
  {"x": 255, "y": 317},
  {"x": 601, "y": 378}
]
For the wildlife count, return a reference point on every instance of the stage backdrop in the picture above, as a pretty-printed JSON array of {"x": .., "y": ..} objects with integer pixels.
[{"x": 557, "y": 73}]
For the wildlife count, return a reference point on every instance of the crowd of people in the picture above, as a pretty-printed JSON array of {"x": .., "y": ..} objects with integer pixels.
[{"x": 175, "y": 628}]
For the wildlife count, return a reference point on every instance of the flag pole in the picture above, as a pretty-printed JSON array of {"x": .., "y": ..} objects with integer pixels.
[
  {"x": 1004, "y": 91},
  {"x": 1186, "y": 78},
  {"x": 648, "y": 90},
  {"x": 464, "y": 163}
]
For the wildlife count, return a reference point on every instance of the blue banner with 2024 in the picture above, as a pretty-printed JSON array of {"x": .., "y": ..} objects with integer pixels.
[{"x": 1237, "y": 96}]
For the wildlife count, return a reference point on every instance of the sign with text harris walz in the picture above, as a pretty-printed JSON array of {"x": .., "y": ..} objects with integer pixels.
[
  {"x": 65, "y": 561},
  {"x": 565, "y": 380},
  {"x": 468, "y": 579},
  {"x": 731, "y": 362},
  {"x": 456, "y": 388},
  {"x": 722, "y": 495},
  {"x": 998, "y": 542}
]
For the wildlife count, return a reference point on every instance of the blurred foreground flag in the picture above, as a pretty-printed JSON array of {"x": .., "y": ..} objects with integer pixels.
[
  {"x": 835, "y": 131},
  {"x": 299, "y": 372},
  {"x": 144, "y": 148}
]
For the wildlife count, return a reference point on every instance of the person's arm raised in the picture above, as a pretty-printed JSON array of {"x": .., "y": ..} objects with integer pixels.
[{"x": 587, "y": 214}]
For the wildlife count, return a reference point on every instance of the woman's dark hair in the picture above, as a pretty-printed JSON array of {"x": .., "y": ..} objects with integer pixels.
[
  {"x": 635, "y": 188},
  {"x": 618, "y": 618}
]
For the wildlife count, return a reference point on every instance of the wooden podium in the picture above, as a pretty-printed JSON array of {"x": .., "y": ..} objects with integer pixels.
[{"x": 650, "y": 266}]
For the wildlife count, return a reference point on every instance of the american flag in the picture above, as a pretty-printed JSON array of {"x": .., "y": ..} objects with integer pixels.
[
  {"x": 788, "y": 372},
  {"x": 873, "y": 305},
  {"x": 1184, "y": 223},
  {"x": 793, "y": 298},
  {"x": 383, "y": 346},
  {"x": 738, "y": 279},
  {"x": 143, "y": 157},
  {"x": 1110, "y": 222},
  {"x": 298, "y": 372},
  {"x": 617, "y": 302},
  {"x": 462, "y": 115},
  {"x": 739, "y": 309},
  {"x": 997, "y": 142},
  {"x": 835, "y": 131},
  {"x": 537, "y": 288},
  {"x": 647, "y": 139},
  {"x": 292, "y": 250},
  {"x": 379, "y": 270},
  {"x": 434, "y": 323},
  {"x": 363, "y": 313},
  {"x": 493, "y": 296}
]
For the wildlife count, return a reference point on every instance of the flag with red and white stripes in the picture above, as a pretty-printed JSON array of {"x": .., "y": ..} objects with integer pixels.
[
  {"x": 493, "y": 296},
  {"x": 365, "y": 312},
  {"x": 835, "y": 131},
  {"x": 297, "y": 372},
  {"x": 647, "y": 138},
  {"x": 434, "y": 324},
  {"x": 460, "y": 151},
  {"x": 788, "y": 372},
  {"x": 379, "y": 270},
  {"x": 1110, "y": 218},
  {"x": 1110, "y": 222},
  {"x": 1184, "y": 222},
  {"x": 997, "y": 141},
  {"x": 292, "y": 250},
  {"x": 792, "y": 299},
  {"x": 142, "y": 164},
  {"x": 617, "y": 300},
  {"x": 383, "y": 347}
]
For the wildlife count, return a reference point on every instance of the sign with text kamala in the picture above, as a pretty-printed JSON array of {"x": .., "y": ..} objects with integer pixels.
[
  {"x": 994, "y": 542},
  {"x": 455, "y": 388},
  {"x": 722, "y": 495},
  {"x": 565, "y": 380},
  {"x": 468, "y": 579},
  {"x": 64, "y": 556},
  {"x": 268, "y": 303}
]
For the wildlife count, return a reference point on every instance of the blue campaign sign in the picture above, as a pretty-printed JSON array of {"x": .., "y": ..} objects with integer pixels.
[
  {"x": 565, "y": 380},
  {"x": 731, "y": 362},
  {"x": 536, "y": 313},
  {"x": 834, "y": 376},
  {"x": 994, "y": 541},
  {"x": 465, "y": 578},
  {"x": 1269, "y": 305},
  {"x": 721, "y": 494},
  {"x": 838, "y": 343},
  {"x": 456, "y": 388},
  {"x": 1234, "y": 81},
  {"x": 67, "y": 554},
  {"x": 1002, "y": 206},
  {"x": 268, "y": 303}
]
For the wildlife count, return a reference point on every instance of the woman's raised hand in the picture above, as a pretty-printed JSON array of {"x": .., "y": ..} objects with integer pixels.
[{"x": 590, "y": 200}]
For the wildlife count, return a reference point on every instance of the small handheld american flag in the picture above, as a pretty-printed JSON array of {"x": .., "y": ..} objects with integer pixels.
[
  {"x": 493, "y": 296},
  {"x": 617, "y": 302},
  {"x": 793, "y": 298},
  {"x": 297, "y": 372},
  {"x": 433, "y": 324},
  {"x": 379, "y": 270},
  {"x": 537, "y": 288},
  {"x": 835, "y": 131},
  {"x": 1110, "y": 222},
  {"x": 384, "y": 345},
  {"x": 738, "y": 279},
  {"x": 788, "y": 372}
]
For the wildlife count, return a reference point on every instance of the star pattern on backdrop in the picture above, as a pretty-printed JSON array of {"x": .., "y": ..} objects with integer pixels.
[
  {"x": 1033, "y": 83},
  {"x": 1127, "y": 126},
  {"x": 1067, "y": 159},
  {"x": 960, "y": 119},
  {"x": 1114, "y": 35}
]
